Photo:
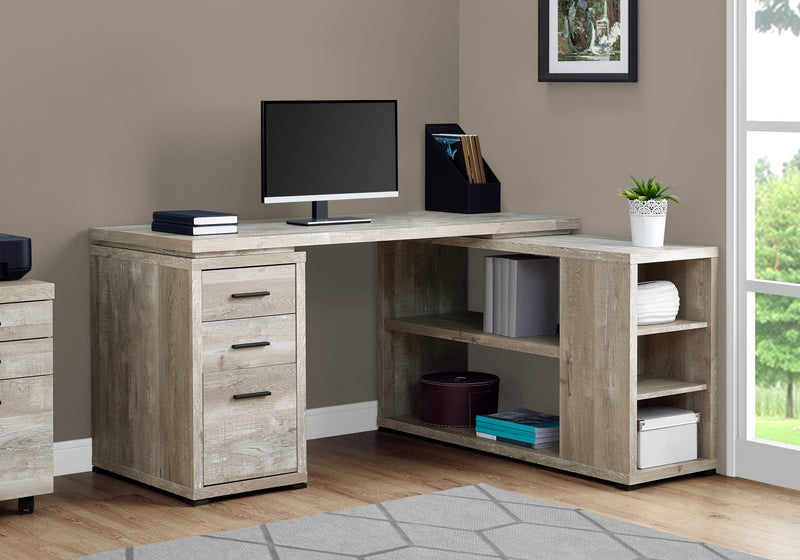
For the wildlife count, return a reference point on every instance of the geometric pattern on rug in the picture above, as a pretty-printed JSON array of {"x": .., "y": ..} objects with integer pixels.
[{"x": 468, "y": 523}]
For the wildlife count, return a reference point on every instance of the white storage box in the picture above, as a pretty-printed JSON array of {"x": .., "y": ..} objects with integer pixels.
[{"x": 666, "y": 435}]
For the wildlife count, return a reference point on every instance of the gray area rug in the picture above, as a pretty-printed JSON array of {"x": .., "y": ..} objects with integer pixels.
[{"x": 472, "y": 523}]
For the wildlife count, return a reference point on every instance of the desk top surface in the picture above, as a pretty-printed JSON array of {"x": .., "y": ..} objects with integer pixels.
[
  {"x": 591, "y": 247},
  {"x": 255, "y": 236}
]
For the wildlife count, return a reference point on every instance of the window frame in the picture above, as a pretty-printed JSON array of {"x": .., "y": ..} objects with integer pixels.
[{"x": 741, "y": 284}]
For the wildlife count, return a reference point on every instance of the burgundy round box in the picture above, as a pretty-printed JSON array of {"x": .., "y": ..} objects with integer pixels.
[{"x": 454, "y": 398}]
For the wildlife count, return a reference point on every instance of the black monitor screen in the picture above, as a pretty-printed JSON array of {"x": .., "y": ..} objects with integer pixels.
[{"x": 328, "y": 150}]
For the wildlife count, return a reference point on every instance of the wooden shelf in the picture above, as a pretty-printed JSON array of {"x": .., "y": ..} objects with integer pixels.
[
  {"x": 467, "y": 327},
  {"x": 654, "y": 387},
  {"x": 701, "y": 464},
  {"x": 466, "y": 437},
  {"x": 550, "y": 456},
  {"x": 673, "y": 326}
]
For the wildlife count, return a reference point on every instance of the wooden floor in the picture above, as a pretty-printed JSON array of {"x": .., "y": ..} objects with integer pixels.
[{"x": 92, "y": 512}]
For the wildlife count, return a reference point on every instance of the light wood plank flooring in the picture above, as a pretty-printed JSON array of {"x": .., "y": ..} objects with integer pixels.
[{"x": 92, "y": 512}]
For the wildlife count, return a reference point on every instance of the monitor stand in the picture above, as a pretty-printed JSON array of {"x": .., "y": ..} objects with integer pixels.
[{"x": 319, "y": 217}]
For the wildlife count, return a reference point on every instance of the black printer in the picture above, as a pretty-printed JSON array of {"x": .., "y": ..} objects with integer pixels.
[{"x": 15, "y": 256}]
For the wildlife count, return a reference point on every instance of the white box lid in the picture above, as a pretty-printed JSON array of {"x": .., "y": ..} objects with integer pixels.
[{"x": 654, "y": 417}]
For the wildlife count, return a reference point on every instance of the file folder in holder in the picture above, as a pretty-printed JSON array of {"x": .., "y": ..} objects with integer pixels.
[{"x": 446, "y": 187}]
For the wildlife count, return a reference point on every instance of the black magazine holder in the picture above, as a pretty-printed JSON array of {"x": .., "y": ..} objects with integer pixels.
[{"x": 446, "y": 188}]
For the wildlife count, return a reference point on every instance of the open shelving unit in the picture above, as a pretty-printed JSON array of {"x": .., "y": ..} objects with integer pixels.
[{"x": 608, "y": 364}]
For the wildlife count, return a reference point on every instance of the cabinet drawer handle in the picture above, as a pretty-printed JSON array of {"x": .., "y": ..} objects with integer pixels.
[
  {"x": 251, "y": 395},
  {"x": 250, "y": 294},
  {"x": 250, "y": 344}
]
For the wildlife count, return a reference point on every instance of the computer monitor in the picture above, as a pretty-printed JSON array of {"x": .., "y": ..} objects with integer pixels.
[{"x": 317, "y": 151}]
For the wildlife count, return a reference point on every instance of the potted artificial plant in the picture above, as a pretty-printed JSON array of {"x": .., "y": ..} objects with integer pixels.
[{"x": 647, "y": 208}]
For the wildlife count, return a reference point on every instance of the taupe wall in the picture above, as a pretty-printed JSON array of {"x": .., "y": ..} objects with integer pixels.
[
  {"x": 565, "y": 148},
  {"x": 110, "y": 110}
]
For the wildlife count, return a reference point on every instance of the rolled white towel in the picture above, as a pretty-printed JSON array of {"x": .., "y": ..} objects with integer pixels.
[{"x": 657, "y": 302}]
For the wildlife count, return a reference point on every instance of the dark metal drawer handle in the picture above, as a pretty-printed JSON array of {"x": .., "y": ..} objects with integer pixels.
[
  {"x": 250, "y": 294},
  {"x": 250, "y": 344},
  {"x": 251, "y": 395}
]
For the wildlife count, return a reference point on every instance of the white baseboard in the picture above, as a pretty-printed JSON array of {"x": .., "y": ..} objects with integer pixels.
[
  {"x": 75, "y": 456},
  {"x": 340, "y": 420}
]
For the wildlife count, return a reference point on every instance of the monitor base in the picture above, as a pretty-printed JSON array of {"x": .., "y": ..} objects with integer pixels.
[{"x": 319, "y": 217}]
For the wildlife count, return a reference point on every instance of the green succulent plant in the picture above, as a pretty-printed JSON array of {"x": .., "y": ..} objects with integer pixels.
[{"x": 648, "y": 190}]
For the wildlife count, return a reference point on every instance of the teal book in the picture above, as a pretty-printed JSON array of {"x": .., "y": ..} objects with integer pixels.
[
  {"x": 548, "y": 433},
  {"x": 517, "y": 437},
  {"x": 520, "y": 418},
  {"x": 532, "y": 445},
  {"x": 515, "y": 428}
]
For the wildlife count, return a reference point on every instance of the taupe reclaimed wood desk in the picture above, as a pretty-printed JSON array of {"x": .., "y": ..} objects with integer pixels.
[
  {"x": 186, "y": 343},
  {"x": 164, "y": 408}
]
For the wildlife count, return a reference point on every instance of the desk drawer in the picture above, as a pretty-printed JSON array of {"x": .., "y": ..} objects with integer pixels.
[
  {"x": 31, "y": 319},
  {"x": 244, "y": 343},
  {"x": 234, "y": 293},
  {"x": 26, "y": 436},
  {"x": 25, "y": 358},
  {"x": 247, "y": 434}
]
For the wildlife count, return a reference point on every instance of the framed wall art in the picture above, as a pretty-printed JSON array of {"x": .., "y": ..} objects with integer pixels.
[{"x": 587, "y": 40}]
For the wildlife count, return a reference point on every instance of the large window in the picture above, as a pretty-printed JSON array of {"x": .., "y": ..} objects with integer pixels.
[{"x": 766, "y": 318}]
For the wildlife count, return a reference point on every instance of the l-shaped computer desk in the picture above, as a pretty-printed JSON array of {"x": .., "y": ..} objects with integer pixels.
[{"x": 198, "y": 345}]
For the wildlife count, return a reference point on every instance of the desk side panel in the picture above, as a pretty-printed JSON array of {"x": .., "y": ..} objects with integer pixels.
[
  {"x": 144, "y": 405},
  {"x": 597, "y": 368},
  {"x": 300, "y": 315}
]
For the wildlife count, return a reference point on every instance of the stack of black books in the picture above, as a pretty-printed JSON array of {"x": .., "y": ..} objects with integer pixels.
[{"x": 194, "y": 222}]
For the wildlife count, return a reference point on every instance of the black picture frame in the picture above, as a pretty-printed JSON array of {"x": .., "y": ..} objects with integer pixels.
[{"x": 572, "y": 68}]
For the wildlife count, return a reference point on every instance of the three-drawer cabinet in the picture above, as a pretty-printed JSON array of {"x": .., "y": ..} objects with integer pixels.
[
  {"x": 249, "y": 373},
  {"x": 198, "y": 370},
  {"x": 26, "y": 391}
]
